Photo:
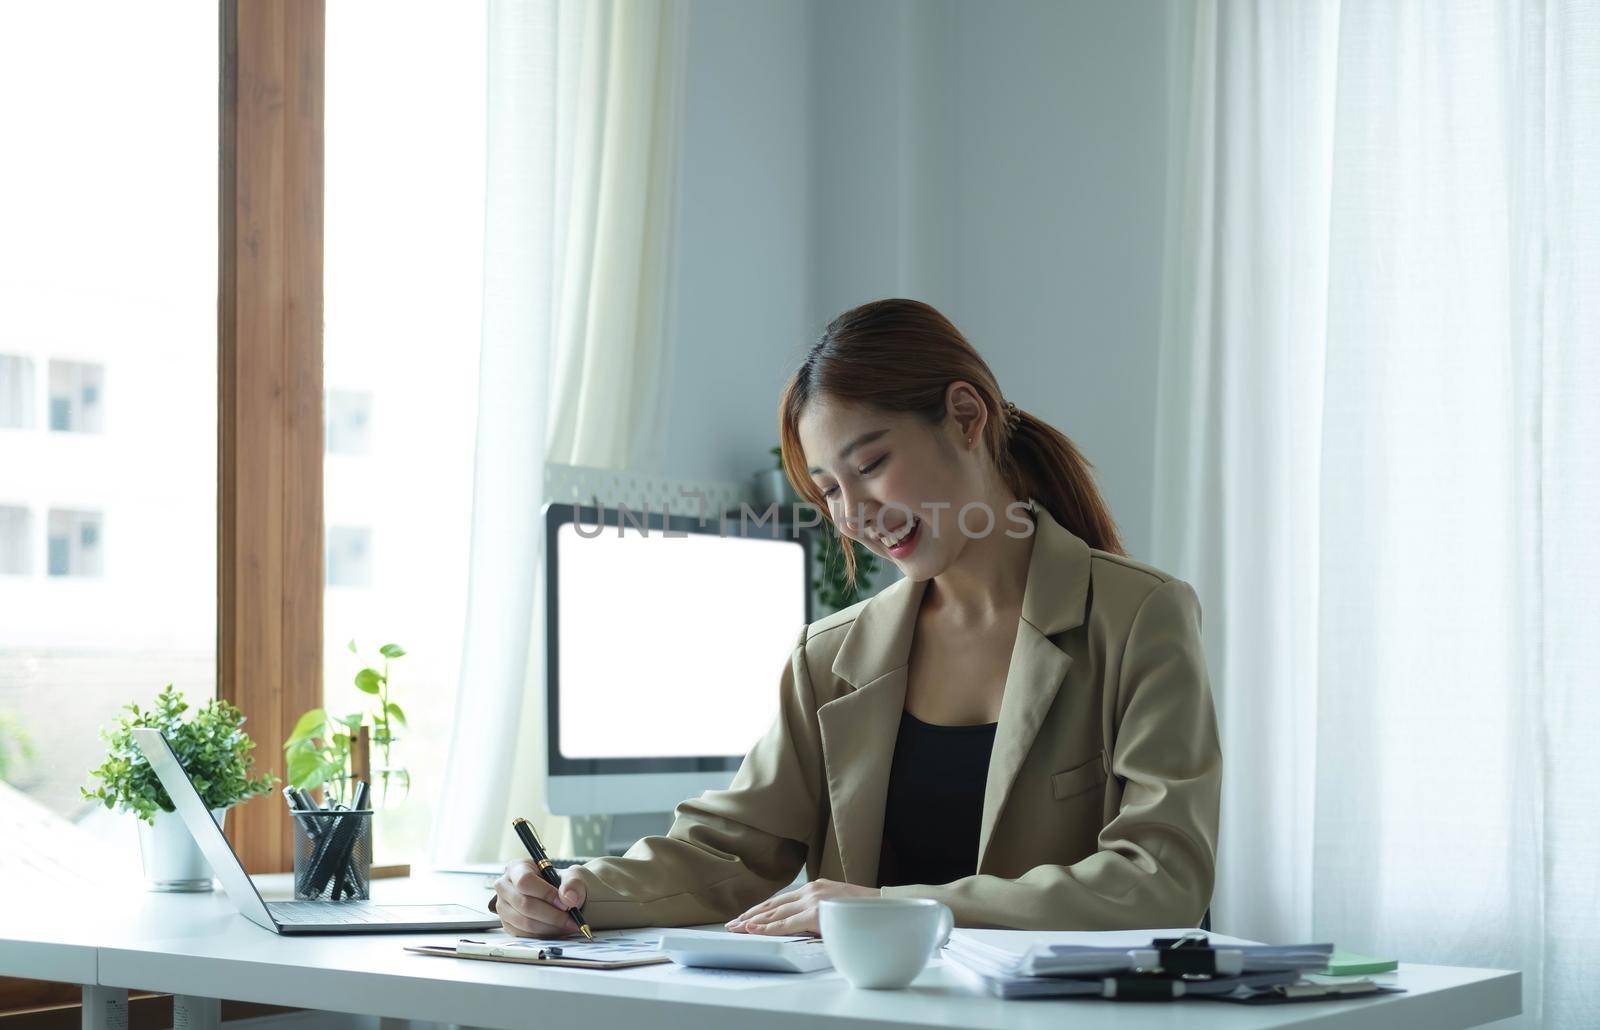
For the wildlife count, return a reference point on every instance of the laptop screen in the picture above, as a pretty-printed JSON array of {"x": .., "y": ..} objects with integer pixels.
[{"x": 206, "y": 833}]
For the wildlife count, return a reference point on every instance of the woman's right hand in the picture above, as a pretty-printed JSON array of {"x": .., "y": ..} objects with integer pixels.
[{"x": 530, "y": 907}]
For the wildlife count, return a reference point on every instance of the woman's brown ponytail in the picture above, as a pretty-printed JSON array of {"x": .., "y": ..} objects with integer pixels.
[
  {"x": 900, "y": 355},
  {"x": 1040, "y": 461}
]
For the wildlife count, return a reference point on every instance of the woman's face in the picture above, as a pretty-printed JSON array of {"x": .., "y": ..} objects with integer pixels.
[{"x": 893, "y": 482}]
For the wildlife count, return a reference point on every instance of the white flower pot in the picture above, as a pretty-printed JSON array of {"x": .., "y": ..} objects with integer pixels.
[{"x": 172, "y": 860}]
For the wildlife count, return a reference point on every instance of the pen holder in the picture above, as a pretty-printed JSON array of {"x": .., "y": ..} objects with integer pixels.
[{"x": 333, "y": 855}]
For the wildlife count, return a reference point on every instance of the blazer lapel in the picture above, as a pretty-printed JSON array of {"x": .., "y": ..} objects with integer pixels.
[
  {"x": 860, "y": 728},
  {"x": 1037, "y": 669},
  {"x": 1054, "y": 601}
]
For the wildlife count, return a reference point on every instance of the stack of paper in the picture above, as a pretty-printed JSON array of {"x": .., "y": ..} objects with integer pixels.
[{"x": 1081, "y": 963}]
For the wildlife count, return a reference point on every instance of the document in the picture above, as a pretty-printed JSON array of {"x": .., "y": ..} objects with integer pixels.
[
  {"x": 606, "y": 948},
  {"x": 1012, "y": 965},
  {"x": 1120, "y": 951},
  {"x": 612, "y": 949}
]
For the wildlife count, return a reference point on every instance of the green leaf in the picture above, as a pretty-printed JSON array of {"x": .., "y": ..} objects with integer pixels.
[
  {"x": 391, "y": 650},
  {"x": 352, "y": 646},
  {"x": 397, "y": 713},
  {"x": 308, "y": 726},
  {"x": 303, "y": 769},
  {"x": 353, "y": 720},
  {"x": 368, "y": 680}
]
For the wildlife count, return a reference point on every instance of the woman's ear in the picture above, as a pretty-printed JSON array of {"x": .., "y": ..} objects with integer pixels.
[{"x": 966, "y": 411}]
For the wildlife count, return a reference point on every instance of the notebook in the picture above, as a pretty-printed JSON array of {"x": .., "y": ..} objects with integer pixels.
[
  {"x": 1348, "y": 963},
  {"x": 610, "y": 950}
]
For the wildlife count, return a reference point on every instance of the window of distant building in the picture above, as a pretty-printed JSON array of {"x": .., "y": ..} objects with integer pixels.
[
  {"x": 16, "y": 540},
  {"x": 16, "y": 392},
  {"x": 349, "y": 422},
  {"x": 349, "y": 556},
  {"x": 75, "y": 548},
  {"x": 76, "y": 401}
]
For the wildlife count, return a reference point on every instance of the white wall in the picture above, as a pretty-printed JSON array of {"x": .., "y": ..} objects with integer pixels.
[
  {"x": 1003, "y": 161},
  {"x": 1059, "y": 173},
  {"x": 743, "y": 295}
]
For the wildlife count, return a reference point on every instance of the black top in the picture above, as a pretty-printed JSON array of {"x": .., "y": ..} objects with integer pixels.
[{"x": 935, "y": 802}]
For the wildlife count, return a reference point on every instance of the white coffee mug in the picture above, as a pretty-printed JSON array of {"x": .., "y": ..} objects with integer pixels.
[{"x": 883, "y": 943}]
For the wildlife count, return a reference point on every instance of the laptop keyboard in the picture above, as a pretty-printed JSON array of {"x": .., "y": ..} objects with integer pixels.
[
  {"x": 333, "y": 912},
  {"x": 302, "y": 913}
]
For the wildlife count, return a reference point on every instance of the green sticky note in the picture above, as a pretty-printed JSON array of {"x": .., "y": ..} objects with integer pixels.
[{"x": 1348, "y": 963}]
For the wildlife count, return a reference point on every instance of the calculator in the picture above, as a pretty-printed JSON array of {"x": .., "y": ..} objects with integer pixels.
[{"x": 716, "y": 949}]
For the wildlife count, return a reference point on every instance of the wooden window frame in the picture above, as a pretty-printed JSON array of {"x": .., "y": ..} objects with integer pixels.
[{"x": 270, "y": 394}]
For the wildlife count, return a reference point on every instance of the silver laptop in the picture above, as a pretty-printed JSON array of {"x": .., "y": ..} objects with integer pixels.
[{"x": 290, "y": 916}]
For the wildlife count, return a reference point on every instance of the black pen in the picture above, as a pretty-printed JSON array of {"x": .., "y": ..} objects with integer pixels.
[
  {"x": 530, "y": 840},
  {"x": 344, "y": 881}
]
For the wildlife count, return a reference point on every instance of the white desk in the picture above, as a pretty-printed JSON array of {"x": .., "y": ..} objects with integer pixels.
[{"x": 198, "y": 947}]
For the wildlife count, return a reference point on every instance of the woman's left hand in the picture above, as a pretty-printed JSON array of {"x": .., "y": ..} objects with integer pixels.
[{"x": 795, "y": 912}]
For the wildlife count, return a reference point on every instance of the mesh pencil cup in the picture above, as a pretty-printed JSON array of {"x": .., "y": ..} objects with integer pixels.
[{"x": 333, "y": 855}]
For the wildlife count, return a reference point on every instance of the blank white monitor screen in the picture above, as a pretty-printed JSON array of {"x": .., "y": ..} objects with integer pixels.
[{"x": 672, "y": 646}]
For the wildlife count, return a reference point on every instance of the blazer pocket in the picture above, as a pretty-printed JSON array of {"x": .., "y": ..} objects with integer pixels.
[{"x": 1069, "y": 783}]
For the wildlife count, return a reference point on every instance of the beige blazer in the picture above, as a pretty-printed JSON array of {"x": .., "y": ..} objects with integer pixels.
[{"x": 1101, "y": 804}]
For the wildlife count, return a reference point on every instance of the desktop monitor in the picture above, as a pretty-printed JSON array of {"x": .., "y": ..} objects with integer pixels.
[{"x": 666, "y": 639}]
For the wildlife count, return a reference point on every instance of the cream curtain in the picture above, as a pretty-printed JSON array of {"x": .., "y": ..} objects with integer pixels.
[
  {"x": 584, "y": 115},
  {"x": 1377, "y": 462}
]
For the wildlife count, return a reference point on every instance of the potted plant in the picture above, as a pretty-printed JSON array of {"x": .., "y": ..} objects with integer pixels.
[
  {"x": 771, "y": 486},
  {"x": 213, "y": 749},
  {"x": 318, "y": 751},
  {"x": 832, "y": 586}
]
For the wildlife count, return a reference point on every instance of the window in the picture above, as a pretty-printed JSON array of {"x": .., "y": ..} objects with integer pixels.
[
  {"x": 402, "y": 297},
  {"x": 16, "y": 392},
  {"x": 108, "y": 272},
  {"x": 16, "y": 541},
  {"x": 349, "y": 417},
  {"x": 349, "y": 556},
  {"x": 75, "y": 404},
  {"x": 74, "y": 543}
]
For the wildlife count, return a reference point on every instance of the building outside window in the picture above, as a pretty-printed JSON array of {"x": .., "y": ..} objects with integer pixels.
[
  {"x": 349, "y": 422},
  {"x": 16, "y": 392},
  {"x": 349, "y": 556},
  {"x": 76, "y": 405},
  {"x": 16, "y": 540},
  {"x": 74, "y": 543}
]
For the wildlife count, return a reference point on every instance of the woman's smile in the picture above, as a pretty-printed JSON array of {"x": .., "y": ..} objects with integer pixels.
[{"x": 902, "y": 541}]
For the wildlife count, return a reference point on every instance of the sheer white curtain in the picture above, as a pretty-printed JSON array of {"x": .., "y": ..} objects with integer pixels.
[
  {"x": 1379, "y": 462},
  {"x": 584, "y": 118}
]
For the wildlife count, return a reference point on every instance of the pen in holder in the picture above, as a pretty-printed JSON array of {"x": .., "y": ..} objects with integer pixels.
[{"x": 333, "y": 854}]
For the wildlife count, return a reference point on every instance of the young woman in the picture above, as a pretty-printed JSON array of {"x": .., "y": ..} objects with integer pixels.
[{"x": 1021, "y": 727}]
